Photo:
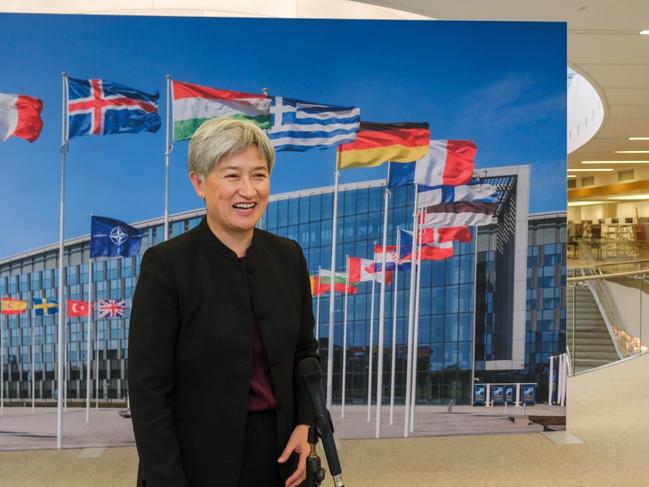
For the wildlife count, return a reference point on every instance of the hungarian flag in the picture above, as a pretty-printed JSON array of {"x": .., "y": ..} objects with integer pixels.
[
  {"x": 78, "y": 308},
  {"x": 194, "y": 104},
  {"x": 377, "y": 143},
  {"x": 20, "y": 116},
  {"x": 11, "y": 306}
]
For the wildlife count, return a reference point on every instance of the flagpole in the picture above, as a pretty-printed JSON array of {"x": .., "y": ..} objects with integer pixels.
[
  {"x": 65, "y": 364},
  {"x": 88, "y": 340},
  {"x": 3, "y": 318},
  {"x": 168, "y": 148},
  {"x": 415, "y": 335},
  {"x": 370, "y": 350},
  {"x": 411, "y": 316},
  {"x": 330, "y": 346},
  {"x": 475, "y": 289},
  {"x": 96, "y": 366},
  {"x": 394, "y": 326},
  {"x": 33, "y": 384},
  {"x": 342, "y": 401},
  {"x": 317, "y": 311},
  {"x": 64, "y": 146},
  {"x": 380, "y": 346}
]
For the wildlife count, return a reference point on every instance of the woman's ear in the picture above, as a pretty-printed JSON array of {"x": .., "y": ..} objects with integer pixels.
[{"x": 197, "y": 183}]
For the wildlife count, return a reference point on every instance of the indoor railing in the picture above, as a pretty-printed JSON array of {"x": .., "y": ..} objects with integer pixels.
[{"x": 617, "y": 277}]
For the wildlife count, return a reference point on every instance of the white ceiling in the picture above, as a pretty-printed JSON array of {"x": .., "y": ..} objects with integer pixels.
[{"x": 604, "y": 44}]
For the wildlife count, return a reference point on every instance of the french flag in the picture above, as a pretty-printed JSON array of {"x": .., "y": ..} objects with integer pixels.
[
  {"x": 448, "y": 162},
  {"x": 20, "y": 116}
]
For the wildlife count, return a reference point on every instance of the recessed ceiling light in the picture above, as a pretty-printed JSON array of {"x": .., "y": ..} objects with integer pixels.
[
  {"x": 585, "y": 203},
  {"x": 572, "y": 175},
  {"x": 638, "y": 138},
  {"x": 632, "y": 151},
  {"x": 644, "y": 32},
  {"x": 607, "y": 169},
  {"x": 644, "y": 196},
  {"x": 616, "y": 162}
]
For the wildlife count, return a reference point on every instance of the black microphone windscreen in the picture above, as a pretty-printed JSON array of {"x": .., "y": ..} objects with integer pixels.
[{"x": 310, "y": 370}]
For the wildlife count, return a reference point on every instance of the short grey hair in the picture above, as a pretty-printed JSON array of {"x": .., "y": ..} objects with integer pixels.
[{"x": 224, "y": 137}]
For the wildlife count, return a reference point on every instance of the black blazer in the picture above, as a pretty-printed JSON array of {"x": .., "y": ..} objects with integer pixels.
[{"x": 190, "y": 352}]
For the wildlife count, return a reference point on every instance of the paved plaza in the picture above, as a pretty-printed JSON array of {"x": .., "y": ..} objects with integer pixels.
[{"x": 22, "y": 429}]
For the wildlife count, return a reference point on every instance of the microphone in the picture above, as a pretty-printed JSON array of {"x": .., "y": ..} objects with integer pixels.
[{"x": 311, "y": 374}]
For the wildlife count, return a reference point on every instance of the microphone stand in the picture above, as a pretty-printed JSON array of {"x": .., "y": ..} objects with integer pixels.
[
  {"x": 311, "y": 374},
  {"x": 315, "y": 474}
]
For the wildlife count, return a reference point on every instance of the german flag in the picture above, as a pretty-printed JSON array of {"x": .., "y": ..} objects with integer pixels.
[{"x": 377, "y": 143}]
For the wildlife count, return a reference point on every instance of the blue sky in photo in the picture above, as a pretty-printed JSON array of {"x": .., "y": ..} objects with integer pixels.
[{"x": 500, "y": 84}]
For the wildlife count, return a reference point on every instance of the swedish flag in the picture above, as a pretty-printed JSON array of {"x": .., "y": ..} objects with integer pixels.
[{"x": 45, "y": 306}]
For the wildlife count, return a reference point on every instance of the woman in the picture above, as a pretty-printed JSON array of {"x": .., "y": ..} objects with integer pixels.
[{"x": 221, "y": 318}]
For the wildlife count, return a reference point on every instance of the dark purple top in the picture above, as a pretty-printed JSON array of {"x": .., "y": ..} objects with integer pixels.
[{"x": 261, "y": 397}]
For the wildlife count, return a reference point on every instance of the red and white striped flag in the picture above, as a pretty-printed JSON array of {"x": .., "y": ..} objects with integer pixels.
[{"x": 20, "y": 116}]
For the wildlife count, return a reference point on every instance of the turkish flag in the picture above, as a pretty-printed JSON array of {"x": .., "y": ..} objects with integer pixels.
[{"x": 78, "y": 308}]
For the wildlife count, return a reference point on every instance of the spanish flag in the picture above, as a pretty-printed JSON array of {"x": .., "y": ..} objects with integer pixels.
[
  {"x": 10, "y": 306},
  {"x": 377, "y": 143}
]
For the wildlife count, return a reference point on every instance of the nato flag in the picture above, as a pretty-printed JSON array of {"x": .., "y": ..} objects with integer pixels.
[{"x": 112, "y": 238}]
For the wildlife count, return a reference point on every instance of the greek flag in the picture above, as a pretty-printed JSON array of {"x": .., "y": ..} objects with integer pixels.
[{"x": 299, "y": 125}]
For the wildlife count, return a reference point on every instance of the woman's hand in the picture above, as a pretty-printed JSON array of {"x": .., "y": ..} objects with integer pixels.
[{"x": 298, "y": 443}]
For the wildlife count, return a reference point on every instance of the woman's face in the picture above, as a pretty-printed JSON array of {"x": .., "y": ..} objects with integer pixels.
[{"x": 236, "y": 192}]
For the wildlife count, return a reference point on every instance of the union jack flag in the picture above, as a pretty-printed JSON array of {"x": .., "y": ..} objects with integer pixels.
[
  {"x": 100, "y": 107},
  {"x": 111, "y": 308}
]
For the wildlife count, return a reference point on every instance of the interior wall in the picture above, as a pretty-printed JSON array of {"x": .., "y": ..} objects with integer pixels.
[{"x": 632, "y": 307}]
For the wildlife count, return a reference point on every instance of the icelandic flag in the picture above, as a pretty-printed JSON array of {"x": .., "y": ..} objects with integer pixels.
[
  {"x": 448, "y": 162},
  {"x": 451, "y": 194},
  {"x": 101, "y": 107},
  {"x": 299, "y": 125},
  {"x": 112, "y": 238}
]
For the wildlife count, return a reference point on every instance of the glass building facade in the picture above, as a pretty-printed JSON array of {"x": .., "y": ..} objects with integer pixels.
[{"x": 458, "y": 311}]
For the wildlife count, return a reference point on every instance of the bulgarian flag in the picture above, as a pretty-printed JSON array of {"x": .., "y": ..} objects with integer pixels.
[
  {"x": 20, "y": 116},
  {"x": 339, "y": 283},
  {"x": 193, "y": 104}
]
